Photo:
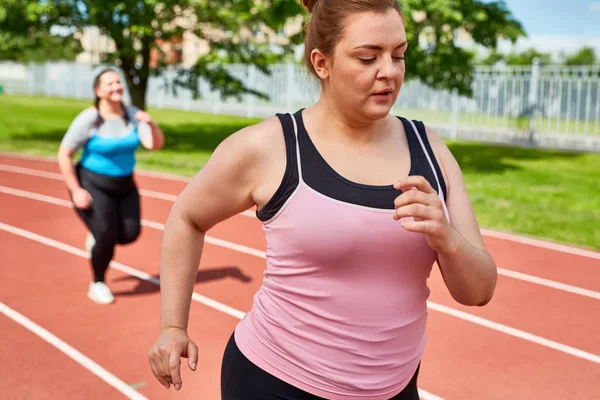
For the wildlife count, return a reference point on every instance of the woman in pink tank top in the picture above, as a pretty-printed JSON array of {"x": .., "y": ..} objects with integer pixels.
[{"x": 357, "y": 205}]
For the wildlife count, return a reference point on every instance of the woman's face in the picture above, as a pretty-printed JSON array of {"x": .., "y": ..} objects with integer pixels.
[
  {"x": 110, "y": 87},
  {"x": 366, "y": 71}
]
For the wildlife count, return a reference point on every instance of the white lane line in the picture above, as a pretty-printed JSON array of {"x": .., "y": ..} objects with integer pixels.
[
  {"x": 258, "y": 253},
  {"x": 30, "y": 171},
  {"x": 116, "y": 265},
  {"x": 515, "y": 332},
  {"x": 209, "y": 239},
  {"x": 145, "y": 222},
  {"x": 428, "y": 396},
  {"x": 146, "y": 277},
  {"x": 549, "y": 283},
  {"x": 35, "y": 196},
  {"x": 71, "y": 352},
  {"x": 231, "y": 311},
  {"x": 169, "y": 197},
  {"x": 541, "y": 243},
  {"x": 158, "y": 195},
  {"x": 58, "y": 177},
  {"x": 52, "y": 160}
]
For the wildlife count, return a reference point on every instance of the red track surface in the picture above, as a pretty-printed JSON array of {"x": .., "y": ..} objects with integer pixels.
[{"x": 463, "y": 360}]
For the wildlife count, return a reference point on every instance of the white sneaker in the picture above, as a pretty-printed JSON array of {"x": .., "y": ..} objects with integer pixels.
[
  {"x": 90, "y": 241},
  {"x": 100, "y": 293}
]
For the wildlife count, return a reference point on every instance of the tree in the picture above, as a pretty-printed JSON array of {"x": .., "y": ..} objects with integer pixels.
[
  {"x": 585, "y": 56},
  {"x": 526, "y": 57},
  {"x": 492, "y": 58},
  {"x": 441, "y": 63},
  {"x": 517, "y": 58},
  {"x": 45, "y": 47},
  {"x": 25, "y": 32},
  {"x": 135, "y": 26}
]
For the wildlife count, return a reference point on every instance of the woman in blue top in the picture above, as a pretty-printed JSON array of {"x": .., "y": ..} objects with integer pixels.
[{"x": 101, "y": 184}]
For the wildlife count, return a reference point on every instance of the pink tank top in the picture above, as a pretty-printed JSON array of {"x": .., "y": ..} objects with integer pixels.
[{"x": 342, "y": 309}]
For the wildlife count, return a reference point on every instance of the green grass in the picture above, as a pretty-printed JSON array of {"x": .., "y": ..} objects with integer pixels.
[
  {"x": 547, "y": 194},
  {"x": 36, "y": 125}
]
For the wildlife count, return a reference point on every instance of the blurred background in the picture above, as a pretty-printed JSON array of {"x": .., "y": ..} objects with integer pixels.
[
  {"x": 512, "y": 86},
  {"x": 481, "y": 73}
]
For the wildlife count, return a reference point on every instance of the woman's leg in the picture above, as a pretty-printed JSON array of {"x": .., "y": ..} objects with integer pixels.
[
  {"x": 128, "y": 219},
  {"x": 101, "y": 220},
  {"x": 242, "y": 380}
]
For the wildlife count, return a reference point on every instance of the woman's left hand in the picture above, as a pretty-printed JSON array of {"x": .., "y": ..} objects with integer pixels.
[
  {"x": 421, "y": 202},
  {"x": 143, "y": 116}
]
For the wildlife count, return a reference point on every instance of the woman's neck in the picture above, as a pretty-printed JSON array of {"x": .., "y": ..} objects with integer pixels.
[
  {"x": 110, "y": 109},
  {"x": 337, "y": 122}
]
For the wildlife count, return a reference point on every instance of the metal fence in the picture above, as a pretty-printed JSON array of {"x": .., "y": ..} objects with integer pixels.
[{"x": 550, "y": 106}]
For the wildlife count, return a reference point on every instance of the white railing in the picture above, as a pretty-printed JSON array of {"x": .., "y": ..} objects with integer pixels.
[{"x": 551, "y": 106}]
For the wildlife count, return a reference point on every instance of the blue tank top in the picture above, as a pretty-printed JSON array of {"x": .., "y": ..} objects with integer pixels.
[{"x": 109, "y": 155}]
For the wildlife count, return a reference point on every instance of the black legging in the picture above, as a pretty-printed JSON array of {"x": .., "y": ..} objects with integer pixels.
[
  {"x": 242, "y": 380},
  {"x": 113, "y": 218}
]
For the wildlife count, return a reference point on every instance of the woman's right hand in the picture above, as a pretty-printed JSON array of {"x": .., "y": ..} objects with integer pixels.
[
  {"x": 164, "y": 357},
  {"x": 81, "y": 198}
]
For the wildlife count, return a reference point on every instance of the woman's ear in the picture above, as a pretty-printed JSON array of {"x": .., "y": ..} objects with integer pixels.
[{"x": 320, "y": 63}]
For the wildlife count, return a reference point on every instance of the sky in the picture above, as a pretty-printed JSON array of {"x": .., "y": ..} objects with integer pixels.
[
  {"x": 558, "y": 17},
  {"x": 553, "y": 26}
]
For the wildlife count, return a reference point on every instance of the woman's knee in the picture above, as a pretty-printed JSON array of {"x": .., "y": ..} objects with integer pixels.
[
  {"x": 105, "y": 237},
  {"x": 130, "y": 232}
]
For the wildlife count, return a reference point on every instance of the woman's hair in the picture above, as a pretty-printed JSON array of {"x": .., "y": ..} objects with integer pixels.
[
  {"x": 99, "y": 118},
  {"x": 326, "y": 24}
]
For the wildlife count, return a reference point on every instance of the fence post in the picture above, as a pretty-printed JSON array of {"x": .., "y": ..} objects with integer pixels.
[
  {"x": 251, "y": 85},
  {"x": 216, "y": 108},
  {"x": 533, "y": 97},
  {"x": 455, "y": 112},
  {"x": 31, "y": 72},
  {"x": 289, "y": 98}
]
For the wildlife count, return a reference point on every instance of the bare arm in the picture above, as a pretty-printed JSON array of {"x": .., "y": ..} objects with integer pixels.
[
  {"x": 222, "y": 189},
  {"x": 76, "y": 136},
  {"x": 65, "y": 163},
  {"x": 156, "y": 139},
  {"x": 468, "y": 270}
]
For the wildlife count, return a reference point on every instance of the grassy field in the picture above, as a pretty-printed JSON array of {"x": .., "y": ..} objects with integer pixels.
[{"x": 547, "y": 194}]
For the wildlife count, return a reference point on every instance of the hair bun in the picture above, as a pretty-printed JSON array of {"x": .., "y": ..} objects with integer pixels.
[{"x": 309, "y": 4}]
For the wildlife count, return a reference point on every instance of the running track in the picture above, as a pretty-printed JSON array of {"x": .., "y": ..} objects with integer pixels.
[{"x": 538, "y": 338}]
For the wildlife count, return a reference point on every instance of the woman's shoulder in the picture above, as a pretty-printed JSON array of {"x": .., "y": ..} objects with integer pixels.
[
  {"x": 84, "y": 119},
  {"x": 247, "y": 153},
  {"x": 263, "y": 131},
  {"x": 257, "y": 140},
  {"x": 437, "y": 143},
  {"x": 428, "y": 134},
  {"x": 90, "y": 113},
  {"x": 448, "y": 164},
  {"x": 131, "y": 110}
]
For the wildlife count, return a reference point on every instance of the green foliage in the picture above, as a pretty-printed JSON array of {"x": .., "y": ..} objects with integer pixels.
[
  {"x": 526, "y": 57},
  {"x": 228, "y": 27},
  {"x": 517, "y": 58},
  {"x": 24, "y": 31},
  {"x": 441, "y": 63},
  {"x": 585, "y": 56},
  {"x": 45, "y": 47},
  {"x": 135, "y": 26}
]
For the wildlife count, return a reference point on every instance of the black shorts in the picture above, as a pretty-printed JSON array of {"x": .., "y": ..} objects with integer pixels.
[{"x": 242, "y": 380}]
